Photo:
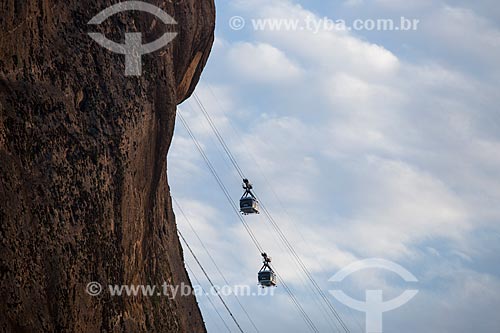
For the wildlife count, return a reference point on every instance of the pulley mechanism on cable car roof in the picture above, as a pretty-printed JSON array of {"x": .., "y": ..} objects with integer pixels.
[
  {"x": 266, "y": 275},
  {"x": 248, "y": 201}
]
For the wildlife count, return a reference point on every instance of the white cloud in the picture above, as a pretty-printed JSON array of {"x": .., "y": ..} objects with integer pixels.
[
  {"x": 402, "y": 4},
  {"x": 464, "y": 37},
  {"x": 262, "y": 63},
  {"x": 404, "y": 207}
]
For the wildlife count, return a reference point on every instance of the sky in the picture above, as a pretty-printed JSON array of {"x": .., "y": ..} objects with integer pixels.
[{"x": 362, "y": 144}]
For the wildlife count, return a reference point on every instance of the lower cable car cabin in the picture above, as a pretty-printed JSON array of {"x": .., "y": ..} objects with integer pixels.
[
  {"x": 249, "y": 205},
  {"x": 266, "y": 275},
  {"x": 248, "y": 201},
  {"x": 267, "y": 278}
]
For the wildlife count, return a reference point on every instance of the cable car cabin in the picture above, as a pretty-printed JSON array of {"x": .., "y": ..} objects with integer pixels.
[
  {"x": 267, "y": 279},
  {"x": 249, "y": 206},
  {"x": 248, "y": 201},
  {"x": 266, "y": 276}
]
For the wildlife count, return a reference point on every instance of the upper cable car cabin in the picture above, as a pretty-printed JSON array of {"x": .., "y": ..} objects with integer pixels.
[
  {"x": 248, "y": 201},
  {"x": 266, "y": 276}
]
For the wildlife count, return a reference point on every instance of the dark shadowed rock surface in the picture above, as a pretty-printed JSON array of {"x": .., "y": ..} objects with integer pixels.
[{"x": 83, "y": 184}]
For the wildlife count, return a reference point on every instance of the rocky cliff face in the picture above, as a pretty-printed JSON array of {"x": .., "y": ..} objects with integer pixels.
[{"x": 83, "y": 185}]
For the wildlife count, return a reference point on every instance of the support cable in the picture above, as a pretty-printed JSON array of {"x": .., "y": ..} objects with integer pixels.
[
  {"x": 211, "y": 283},
  {"x": 191, "y": 273}
]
